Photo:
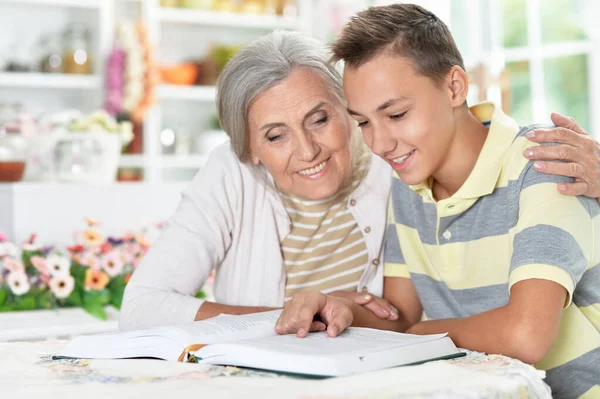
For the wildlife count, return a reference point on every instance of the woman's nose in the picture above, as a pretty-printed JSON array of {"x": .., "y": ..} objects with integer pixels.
[{"x": 307, "y": 149}]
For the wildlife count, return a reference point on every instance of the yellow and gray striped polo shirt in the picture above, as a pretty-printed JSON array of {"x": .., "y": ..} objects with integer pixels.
[
  {"x": 325, "y": 249},
  {"x": 507, "y": 223}
]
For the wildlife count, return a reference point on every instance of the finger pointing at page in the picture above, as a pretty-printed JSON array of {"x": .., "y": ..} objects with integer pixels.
[{"x": 299, "y": 312}]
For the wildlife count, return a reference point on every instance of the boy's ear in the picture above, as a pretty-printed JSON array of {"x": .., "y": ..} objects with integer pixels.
[{"x": 458, "y": 83}]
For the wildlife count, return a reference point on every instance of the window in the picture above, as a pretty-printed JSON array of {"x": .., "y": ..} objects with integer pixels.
[{"x": 544, "y": 55}]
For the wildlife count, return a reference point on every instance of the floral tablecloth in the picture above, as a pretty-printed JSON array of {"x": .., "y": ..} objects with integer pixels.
[{"x": 27, "y": 370}]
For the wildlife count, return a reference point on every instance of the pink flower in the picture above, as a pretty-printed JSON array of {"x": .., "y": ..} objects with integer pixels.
[
  {"x": 13, "y": 265},
  {"x": 30, "y": 247},
  {"x": 3, "y": 237},
  {"x": 133, "y": 248},
  {"x": 62, "y": 286},
  {"x": 126, "y": 257},
  {"x": 8, "y": 249},
  {"x": 112, "y": 263},
  {"x": 90, "y": 259},
  {"x": 105, "y": 247},
  {"x": 18, "y": 283},
  {"x": 58, "y": 265},
  {"x": 40, "y": 264}
]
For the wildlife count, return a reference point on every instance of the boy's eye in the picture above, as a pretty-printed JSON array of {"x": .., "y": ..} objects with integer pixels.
[{"x": 398, "y": 116}]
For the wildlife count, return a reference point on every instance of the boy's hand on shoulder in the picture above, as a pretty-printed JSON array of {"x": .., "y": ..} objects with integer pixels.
[
  {"x": 579, "y": 151},
  {"x": 298, "y": 316}
]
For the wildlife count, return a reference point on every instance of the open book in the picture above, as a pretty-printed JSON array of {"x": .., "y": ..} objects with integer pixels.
[{"x": 251, "y": 341}]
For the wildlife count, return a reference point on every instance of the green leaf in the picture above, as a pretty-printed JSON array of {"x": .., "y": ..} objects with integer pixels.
[
  {"x": 46, "y": 300},
  {"x": 95, "y": 310},
  {"x": 117, "y": 281},
  {"x": 97, "y": 297},
  {"x": 78, "y": 272},
  {"x": 25, "y": 302},
  {"x": 3, "y": 295},
  {"x": 117, "y": 286},
  {"x": 201, "y": 294},
  {"x": 116, "y": 297},
  {"x": 75, "y": 298}
]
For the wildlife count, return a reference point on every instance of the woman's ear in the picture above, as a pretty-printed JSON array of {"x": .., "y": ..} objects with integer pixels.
[
  {"x": 255, "y": 160},
  {"x": 458, "y": 83}
]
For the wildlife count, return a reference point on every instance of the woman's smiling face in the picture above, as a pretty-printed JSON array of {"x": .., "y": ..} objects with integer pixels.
[{"x": 300, "y": 131}]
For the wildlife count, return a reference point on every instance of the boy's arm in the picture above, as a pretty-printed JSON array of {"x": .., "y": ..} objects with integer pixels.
[
  {"x": 401, "y": 293},
  {"x": 525, "y": 328},
  {"x": 553, "y": 245}
]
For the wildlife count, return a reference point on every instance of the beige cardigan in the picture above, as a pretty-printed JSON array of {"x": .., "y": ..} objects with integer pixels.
[{"x": 230, "y": 218}]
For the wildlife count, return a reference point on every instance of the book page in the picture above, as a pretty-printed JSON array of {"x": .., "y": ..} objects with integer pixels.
[
  {"x": 168, "y": 342},
  {"x": 226, "y": 328},
  {"x": 352, "y": 340}
]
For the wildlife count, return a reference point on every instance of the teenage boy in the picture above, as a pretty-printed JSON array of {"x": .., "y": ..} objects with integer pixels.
[{"x": 478, "y": 240}]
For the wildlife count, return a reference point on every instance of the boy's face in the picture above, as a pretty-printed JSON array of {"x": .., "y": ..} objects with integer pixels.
[{"x": 405, "y": 118}]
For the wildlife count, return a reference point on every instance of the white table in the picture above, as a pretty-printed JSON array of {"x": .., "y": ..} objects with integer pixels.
[
  {"x": 38, "y": 325},
  {"x": 26, "y": 371}
]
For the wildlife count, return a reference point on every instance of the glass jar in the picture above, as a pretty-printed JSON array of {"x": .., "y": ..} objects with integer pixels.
[
  {"x": 51, "y": 57},
  {"x": 77, "y": 57},
  {"x": 77, "y": 159},
  {"x": 13, "y": 155}
]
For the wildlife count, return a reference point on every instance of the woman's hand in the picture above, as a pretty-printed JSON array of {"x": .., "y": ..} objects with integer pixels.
[
  {"x": 380, "y": 307},
  {"x": 298, "y": 316},
  {"x": 579, "y": 151}
]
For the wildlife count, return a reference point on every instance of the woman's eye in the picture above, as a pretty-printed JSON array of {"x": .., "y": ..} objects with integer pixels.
[
  {"x": 398, "y": 116},
  {"x": 322, "y": 120},
  {"x": 362, "y": 124},
  {"x": 273, "y": 138}
]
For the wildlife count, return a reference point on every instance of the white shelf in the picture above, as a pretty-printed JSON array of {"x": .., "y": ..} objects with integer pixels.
[
  {"x": 195, "y": 93},
  {"x": 183, "y": 161},
  {"x": 49, "y": 80},
  {"x": 93, "y": 4},
  {"x": 132, "y": 161},
  {"x": 208, "y": 18}
]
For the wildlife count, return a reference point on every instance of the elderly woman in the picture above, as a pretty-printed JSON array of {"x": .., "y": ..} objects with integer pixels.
[{"x": 294, "y": 202}]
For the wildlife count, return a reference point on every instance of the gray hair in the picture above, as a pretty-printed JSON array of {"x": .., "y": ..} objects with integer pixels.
[{"x": 257, "y": 67}]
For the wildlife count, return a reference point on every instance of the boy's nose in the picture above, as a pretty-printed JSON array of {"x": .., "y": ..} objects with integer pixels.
[{"x": 382, "y": 142}]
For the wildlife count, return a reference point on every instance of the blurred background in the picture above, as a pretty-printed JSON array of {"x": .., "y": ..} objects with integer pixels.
[
  {"x": 107, "y": 110},
  {"x": 145, "y": 71}
]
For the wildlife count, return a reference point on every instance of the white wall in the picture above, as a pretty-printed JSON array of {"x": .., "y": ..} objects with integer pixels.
[{"x": 53, "y": 211}]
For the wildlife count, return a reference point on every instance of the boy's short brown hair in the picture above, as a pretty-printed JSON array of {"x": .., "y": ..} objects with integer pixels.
[{"x": 407, "y": 30}]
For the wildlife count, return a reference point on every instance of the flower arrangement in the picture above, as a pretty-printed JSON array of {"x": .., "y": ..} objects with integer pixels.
[{"x": 92, "y": 274}]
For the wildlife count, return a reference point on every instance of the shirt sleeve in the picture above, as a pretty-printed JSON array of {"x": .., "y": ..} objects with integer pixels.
[
  {"x": 195, "y": 240},
  {"x": 554, "y": 236}
]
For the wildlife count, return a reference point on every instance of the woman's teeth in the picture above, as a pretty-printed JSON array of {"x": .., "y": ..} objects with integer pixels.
[
  {"x": 403, "y": 157},
  {"x": 316, "y": 169}
]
